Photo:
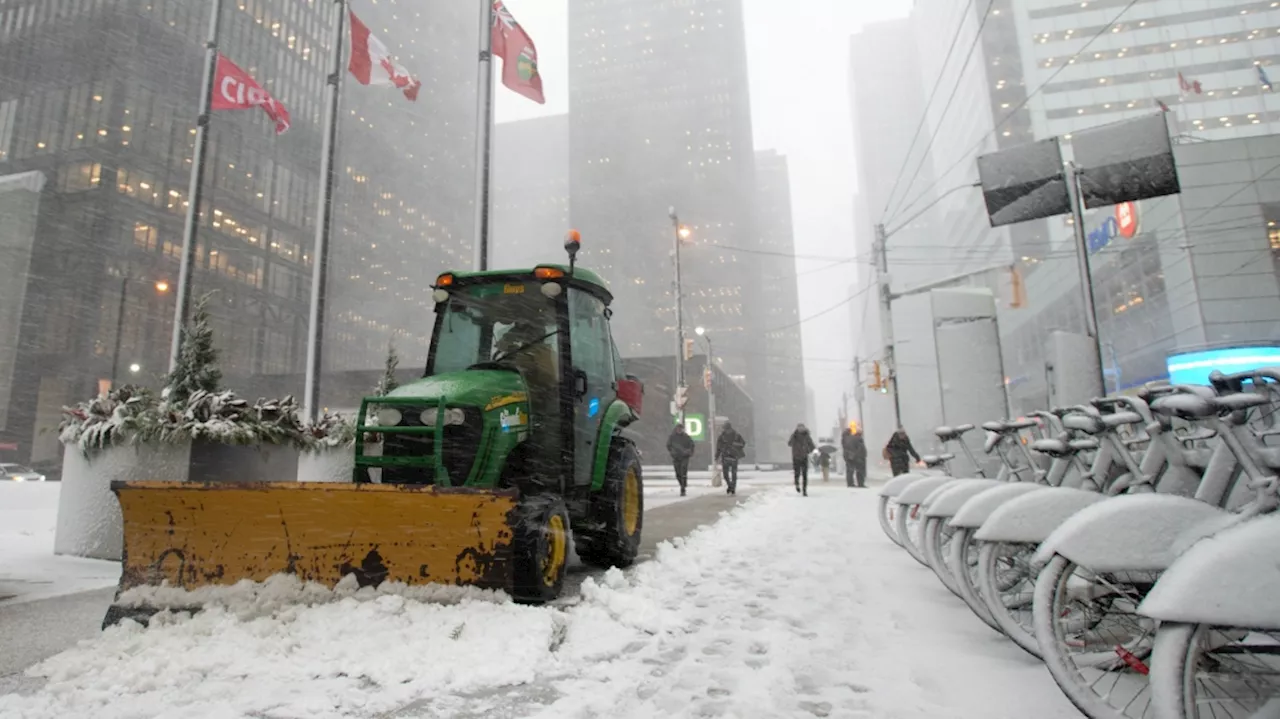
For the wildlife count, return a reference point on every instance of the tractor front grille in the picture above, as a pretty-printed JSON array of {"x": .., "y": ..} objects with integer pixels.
[{"x": 460, "y": 445}]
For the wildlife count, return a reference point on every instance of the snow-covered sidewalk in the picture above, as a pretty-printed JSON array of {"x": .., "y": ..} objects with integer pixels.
[
  {"x": 788, "y": 607},
  {"x": 29, "y": 570}
]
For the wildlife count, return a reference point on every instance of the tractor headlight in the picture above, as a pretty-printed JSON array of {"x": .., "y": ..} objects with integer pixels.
[
  {"x": 452, "y": 416},
  {"x": 388, "y": 417}
]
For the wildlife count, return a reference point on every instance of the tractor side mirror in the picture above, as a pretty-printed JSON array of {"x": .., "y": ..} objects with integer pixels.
[{"x": 579, "y": 383}]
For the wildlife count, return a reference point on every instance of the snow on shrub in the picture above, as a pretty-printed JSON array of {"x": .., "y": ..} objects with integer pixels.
[{"x": 121, "y": 416}]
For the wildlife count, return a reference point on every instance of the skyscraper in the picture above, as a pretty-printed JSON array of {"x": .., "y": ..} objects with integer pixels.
[
  {"x": 661, "y": 118},
  {"x": 779, "y": 392},
  {"x": 100, "y": 102},
  {"x": 530, "y": 191}
]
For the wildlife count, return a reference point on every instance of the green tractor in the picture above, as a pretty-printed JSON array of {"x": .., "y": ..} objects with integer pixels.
[{"x": 523, "y": 400}]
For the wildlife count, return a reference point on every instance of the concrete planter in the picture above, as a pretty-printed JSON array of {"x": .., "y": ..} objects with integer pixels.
[
  {"x": 335, "y": 464},
  {"x": 212, "y": 462},
  {"x": 89, "y": 523}
]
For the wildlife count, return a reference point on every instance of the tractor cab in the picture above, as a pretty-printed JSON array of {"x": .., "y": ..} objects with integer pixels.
[{"x": 523, "y": 379}]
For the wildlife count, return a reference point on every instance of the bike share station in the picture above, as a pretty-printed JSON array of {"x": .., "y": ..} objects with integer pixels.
[{"x": 1127, "y": 540}]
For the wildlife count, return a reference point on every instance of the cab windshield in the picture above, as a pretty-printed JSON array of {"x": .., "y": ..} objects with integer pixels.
[{"x": 493, "y": 322}]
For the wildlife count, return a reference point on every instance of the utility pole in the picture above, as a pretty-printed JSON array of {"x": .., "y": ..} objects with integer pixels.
[
  {"x": 678, "y": 234},
  {"x": 1086, "y": 276},
  {"x": 886, "y": 318},
  {"x": 858, "y": 391}
]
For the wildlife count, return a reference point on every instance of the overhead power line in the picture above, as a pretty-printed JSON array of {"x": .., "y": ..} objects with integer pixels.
[
  {"x": 955, "y": 87},
  {"x": 924, "y": 113},
  {"x": 967, "y": 155}
]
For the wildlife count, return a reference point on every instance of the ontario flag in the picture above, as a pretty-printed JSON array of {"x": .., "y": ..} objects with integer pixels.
[
  {"x": 371, "y": 62},
  {"x": 519, "y": 56},
  {"x": 234, "y": 89}
]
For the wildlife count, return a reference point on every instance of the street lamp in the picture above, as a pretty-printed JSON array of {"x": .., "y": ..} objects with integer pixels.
[
  {"x": 161, "y": 287},
  {"x": 682, "y": 232}
]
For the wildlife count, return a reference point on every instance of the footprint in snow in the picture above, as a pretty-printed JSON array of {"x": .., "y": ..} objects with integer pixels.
[{"x": 818, "y": 709}]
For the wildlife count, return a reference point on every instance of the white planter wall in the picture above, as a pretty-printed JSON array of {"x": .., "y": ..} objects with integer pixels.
[
  {"x": 330, "y": 465},
  {"x": 89, "y": 522}
]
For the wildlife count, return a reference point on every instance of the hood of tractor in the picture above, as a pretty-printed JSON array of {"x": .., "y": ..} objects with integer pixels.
[{"x": 486, "y": 390}]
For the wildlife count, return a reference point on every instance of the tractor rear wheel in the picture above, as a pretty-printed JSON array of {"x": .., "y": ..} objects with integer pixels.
[
  {"x": 620, "y": 509},
  {"x": 541, "y": 549}
]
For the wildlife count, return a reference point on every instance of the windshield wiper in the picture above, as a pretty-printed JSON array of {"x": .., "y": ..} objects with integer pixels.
[{"x": 525, "y": 346}]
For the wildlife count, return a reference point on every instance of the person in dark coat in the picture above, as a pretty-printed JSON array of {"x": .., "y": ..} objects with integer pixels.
[
  {"x": 730, "y": 447},
  {"x": 897, "y": 449},
  {"x": 680, "y": 446},
  {"x": 855, "y": 458},
  {"x": 801, "y": 444}
]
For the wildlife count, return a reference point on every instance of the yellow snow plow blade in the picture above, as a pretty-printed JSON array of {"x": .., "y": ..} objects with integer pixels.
[{"x": 190, "y": 535}]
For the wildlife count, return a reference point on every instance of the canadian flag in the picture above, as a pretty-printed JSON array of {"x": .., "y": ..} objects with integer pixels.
[
  {"x": 234, "y": 89},
  {"x": 371, "y": 62}
]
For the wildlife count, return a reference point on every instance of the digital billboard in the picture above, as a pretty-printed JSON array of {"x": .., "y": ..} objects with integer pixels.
[{"x": 1194, "y": 367}]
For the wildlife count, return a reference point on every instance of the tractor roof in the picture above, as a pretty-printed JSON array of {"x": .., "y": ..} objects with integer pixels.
[{"x": 581, "y": 277}]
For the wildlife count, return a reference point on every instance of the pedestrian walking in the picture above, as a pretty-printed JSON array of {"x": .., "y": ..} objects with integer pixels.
[
  {"x": 854, "y": 446},
  {"x": 730, "y": 447},
  {"x": 824, "y": 462},
  {"x": 801, "y": 444},
  {"x": 897, "y": 450},
  {"x": 680, "y": 446}
]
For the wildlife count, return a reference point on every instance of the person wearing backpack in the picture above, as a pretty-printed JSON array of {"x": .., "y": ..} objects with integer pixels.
[
  {"x": 801, "y": 444},
  {"x": 730, "y": 447},
  {"x": 680, "y": 446}
]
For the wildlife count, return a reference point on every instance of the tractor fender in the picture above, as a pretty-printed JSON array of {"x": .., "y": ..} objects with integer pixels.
[
  {"x": 1229, "y": 578},
  {"x": 975, "y": 511},
  {"x": 616, "y": 418},
  {"x": 894, "y": 487},
  {"x": 1132, "y": 532},
  {"x": 1033, "y": 517},
  {"x": 919, "y": 491},
  {"x": 946, "y": 501}
]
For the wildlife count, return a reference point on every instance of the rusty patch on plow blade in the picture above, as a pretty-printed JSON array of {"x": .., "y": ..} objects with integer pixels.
[{"x": 192, "y": 535}]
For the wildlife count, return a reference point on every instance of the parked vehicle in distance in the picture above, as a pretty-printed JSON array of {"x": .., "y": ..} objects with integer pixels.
[{"x": 19, "y": 473}]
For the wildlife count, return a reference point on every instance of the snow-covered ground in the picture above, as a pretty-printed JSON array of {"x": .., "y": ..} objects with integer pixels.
[
  {"x": 29, "y": 570},
  {"x": 787, "y": 607}
]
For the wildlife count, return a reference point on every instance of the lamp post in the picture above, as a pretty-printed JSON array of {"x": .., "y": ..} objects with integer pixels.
[
  {"x": 709, "y": 383},
  {"x": 682, "y": 233},
  {"x": 161, "y": 287}
]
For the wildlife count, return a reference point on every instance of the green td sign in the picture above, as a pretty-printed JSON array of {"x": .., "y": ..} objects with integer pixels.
[{"x": 696, "y": 426}]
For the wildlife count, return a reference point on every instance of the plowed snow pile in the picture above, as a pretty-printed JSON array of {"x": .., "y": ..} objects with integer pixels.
[{"x": 788, "y": 607}]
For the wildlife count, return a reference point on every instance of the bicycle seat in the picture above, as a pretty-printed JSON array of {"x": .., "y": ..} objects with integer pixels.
[
  {"x": 994, "y": 426},
  {"x": 1116, "y": 419},
  {"x": 948, "y": 434},
  {"x": 1017, "y": 424},
  {"x": 1087, "y": 423},
  {"x": 1052, "y": 447},
  {"x": 1185, "y": 406},
  {"x": 1084, "y": 444},
  {"x": 1243, "y": 400}
]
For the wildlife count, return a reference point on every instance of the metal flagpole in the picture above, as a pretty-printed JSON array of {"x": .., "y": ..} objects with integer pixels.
[
  {"x": 484, "y": 135},
  {"x": 182, "y": 304},
  {"x": 324, "y": 223}
]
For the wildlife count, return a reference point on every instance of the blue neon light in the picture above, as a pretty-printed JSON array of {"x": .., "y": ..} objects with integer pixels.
[
  {"x": 1194, "y": 367},
  {"x": 593, "y": 406}
]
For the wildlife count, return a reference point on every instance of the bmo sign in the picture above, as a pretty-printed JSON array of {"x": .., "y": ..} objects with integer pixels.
[{"x": 1123, "y": 223}]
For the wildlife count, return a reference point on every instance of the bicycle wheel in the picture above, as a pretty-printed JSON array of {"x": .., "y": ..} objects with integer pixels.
[
  {"x": 963, "y": 561},
  {"x": 937, "y": 547},
  {"x": 907, "y": 523},
  {"x": 1206, "y": 672},
  {"x": 1006, "y": 584},
  {"x": 1094, "y": 643},
  {"x": 886, "y": 511}
]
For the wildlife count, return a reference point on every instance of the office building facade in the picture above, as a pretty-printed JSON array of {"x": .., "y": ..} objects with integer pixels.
[
  {"x": 530, "y": 210},
  {"x": 661, "y": 118},
  {"x": 109, "y": 129}
]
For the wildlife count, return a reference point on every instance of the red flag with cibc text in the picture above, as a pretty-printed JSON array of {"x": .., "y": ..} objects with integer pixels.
[{"x": 234, "y": 89}]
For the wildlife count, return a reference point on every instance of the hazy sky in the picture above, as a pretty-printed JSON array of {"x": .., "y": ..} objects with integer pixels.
[{"x": 798, "y": 56}]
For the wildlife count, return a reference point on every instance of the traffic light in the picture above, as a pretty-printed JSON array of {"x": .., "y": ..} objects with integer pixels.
[
  {"x": 876, "y": 383},
  {"x": 688, "y": 349}
]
